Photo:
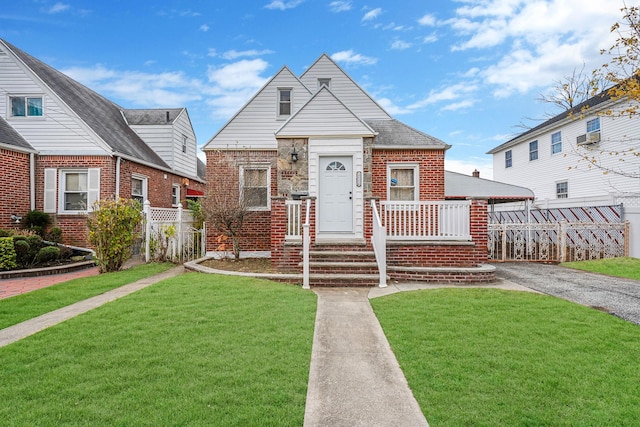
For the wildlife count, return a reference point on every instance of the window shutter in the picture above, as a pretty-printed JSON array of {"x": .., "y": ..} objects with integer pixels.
[
  {"x": 50, "y": 175},
  {"x": 94, "y": 187}
]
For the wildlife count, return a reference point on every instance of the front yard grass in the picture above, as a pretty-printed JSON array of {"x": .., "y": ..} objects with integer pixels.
[
  {"x": 23, "y": 307},
  {"x": 486, "y": 357},
  {"x": 625, "y": 267},
  {"x": 193, "y": 350}
]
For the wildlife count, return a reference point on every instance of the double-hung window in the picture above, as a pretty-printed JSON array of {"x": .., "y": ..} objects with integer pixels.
[
  {"x": 284, "y": 102},
  {"x": 175, "y": 195},
  {"x": 556, "y": 142},
  {"x": 184, "y": 143},
  {"x": 26, "y": 106},
  {"x": 402, "y": 182},
  {"x": 139, "y": 188},
  {"x": 254, "y": 187},
  {"x": 508, "y": 159},
  {"x": 593, "y": 125},
  {"x": 71, "y": 191},
  {"x": 533, "y": 150},
  {"x": 562, "y": 189}
]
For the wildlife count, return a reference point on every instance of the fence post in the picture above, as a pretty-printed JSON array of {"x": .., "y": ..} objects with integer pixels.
[
  {"x": 179, "y": 251},
  {"x": 147, "y": 230},
  {"x": 562, "y": 240},
  {"x": 627, "y": 237},
  {"x": 504, "y": 242}
]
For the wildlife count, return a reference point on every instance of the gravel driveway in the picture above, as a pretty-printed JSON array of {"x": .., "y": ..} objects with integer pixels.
[{"x": 620, "y": 297}]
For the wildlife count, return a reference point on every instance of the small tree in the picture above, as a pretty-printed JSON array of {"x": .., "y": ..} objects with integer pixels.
[{"x": 112, "y": 225}]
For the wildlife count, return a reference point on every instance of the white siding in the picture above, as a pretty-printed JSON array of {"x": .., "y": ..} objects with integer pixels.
[
  {"x": 348, "y": 91},
  {"x": 541, "y": 175},
  {"x": 185, "y": 163},
  {"x": 324, "y": 115},
  {"x": 59, "y": 131},
  {"x": 339, "y": 147},
  {"x": 255, "y": 124},
  {"x": 159, "y": 138}
]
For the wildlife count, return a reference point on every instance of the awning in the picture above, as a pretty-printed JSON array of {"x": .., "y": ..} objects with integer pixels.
[{"x": 194, "y": 193}]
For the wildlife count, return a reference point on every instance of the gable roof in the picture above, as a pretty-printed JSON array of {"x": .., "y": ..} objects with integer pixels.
[
  {"x": 10, "y": 137},
  {"x": 397, "y": 135},
  {"x": 591, "y": 103},
  {"x": 460, "y": 186},
  {"x": 104, "y": 117},
  {"x": 324, "y": 114}
]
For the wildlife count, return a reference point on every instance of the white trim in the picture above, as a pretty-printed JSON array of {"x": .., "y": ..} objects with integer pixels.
[
  {"x": 92, "y": 190},
  {"x": 175, "y": 195},
  {"x": 145, "y": 185},
  {"x": 256, "y": 166},
  {"x": 416, "y": 177}
]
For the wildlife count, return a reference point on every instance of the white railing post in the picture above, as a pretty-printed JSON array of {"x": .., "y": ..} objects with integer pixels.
[
  {"x": 379, "y": 243},
  {"x": 146, "y": 209},
  {"x": 306, "y": 242}
]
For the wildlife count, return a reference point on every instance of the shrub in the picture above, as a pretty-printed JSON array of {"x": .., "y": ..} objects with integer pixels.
[
  {"x": 47, "y": 254},
  {"x": 5, "y": 233},
  {"x": 37, "y": 221},
  {"x": 112, "y": 225},
  {"x": 7, "y": 254},
  {"x": 23, "y": 251},
  {"x": 55, "y": 235}
]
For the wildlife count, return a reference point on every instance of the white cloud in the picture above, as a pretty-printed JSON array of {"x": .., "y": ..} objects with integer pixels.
[
  {"x": 431, "y": 38},
  {"x": 448, "y": 93},
  {"x": 400, "y": 45},
  {"x": 212, "y": 52},
  {"x": 466, "y": 167},
  {"x": 58, "y": 7},
  {"x": 372, "y": 14},
  {"x": 351, "y": 58},
  {"x": 427, "y": 20},
  {"x": 238, "y": 75},
  {"x": 391, "y": 108},
  {"x": 467, "y": 103},
  {"x": 234, "y": 54},
  {"x": 283, "y": 5},
  {"x": 339, "y": 6},
  {"x": 204, "y": 27}
]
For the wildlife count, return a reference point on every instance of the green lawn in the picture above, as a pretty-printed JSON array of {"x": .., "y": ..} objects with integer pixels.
[
  {"x": 23, "y": 307},
  {"x": 482, "y": 357},
  {"x": 192, "y": 350},
  {"x": 619, "y": 267}
]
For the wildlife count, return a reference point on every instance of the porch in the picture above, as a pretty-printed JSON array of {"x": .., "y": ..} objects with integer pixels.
[{"x": 417, "y": 241}]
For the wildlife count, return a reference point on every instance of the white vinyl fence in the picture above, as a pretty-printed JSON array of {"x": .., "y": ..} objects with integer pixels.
[{"x": 169, "y": 235}]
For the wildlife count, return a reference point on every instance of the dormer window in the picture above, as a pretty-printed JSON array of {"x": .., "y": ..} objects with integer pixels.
[
  {"x": 324, "y": 82},
  {"x": 284, "y": 102},
  {"x": 26, "y": 106}
]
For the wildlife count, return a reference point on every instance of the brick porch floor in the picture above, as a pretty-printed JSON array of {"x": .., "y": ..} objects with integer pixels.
[{"x": 12, "y": 287}]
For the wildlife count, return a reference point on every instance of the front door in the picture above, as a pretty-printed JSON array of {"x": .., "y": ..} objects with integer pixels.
[{"x": 335, "y": 201}]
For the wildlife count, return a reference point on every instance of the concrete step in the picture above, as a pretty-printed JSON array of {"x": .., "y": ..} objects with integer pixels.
[{"x": 344, "y": 280}]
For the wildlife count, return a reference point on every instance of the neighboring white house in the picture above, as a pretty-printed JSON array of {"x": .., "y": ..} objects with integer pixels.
[{"x": 552, "y": 160}]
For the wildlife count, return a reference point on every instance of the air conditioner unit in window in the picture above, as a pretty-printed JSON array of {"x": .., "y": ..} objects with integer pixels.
[{"x": 593, "y": 137}]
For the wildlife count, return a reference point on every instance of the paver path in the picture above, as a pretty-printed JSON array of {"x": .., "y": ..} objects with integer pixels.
[
  {"x": 620, "y": 297},
  {"x": 355, "y": 379},
  {"x": 13, "y": 287}
]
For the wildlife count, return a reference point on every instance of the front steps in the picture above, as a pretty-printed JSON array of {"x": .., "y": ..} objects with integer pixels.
[{"x": 343, "y": 268}]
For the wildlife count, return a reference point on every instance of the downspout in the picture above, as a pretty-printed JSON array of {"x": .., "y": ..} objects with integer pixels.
[
  {"x": 32, "y": 181},
  {"x": 118, "y": 159}
]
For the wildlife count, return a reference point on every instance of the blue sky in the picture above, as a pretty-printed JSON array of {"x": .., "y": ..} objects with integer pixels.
[{"x": 465, "y": 71}]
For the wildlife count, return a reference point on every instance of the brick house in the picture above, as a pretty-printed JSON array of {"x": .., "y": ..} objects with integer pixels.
[
  {"x": 64, "y": 146},
  {"x": 319, "y": 146}
]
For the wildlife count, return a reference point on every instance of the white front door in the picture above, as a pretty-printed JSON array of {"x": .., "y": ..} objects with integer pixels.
[{"x": 335, "y": 201}]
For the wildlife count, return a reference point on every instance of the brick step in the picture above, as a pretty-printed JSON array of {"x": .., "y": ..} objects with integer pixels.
[
  {"x": 341, "y": 256},
  {"x": 344, "y": 280},
  {"x": 324, "y": 267}
]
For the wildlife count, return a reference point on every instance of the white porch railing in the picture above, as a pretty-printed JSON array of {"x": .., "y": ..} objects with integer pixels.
[
  {"x": 306, "y": 242},
  {"x": 294, "y": 219},
  {"x": 427, "y": 220},
  {"x": 379, "y": 243}
]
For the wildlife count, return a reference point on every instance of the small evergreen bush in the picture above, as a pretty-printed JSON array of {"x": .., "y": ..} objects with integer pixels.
[
  {"x": 7, "y": 254},
  {"x": 37, "y": 221},
  {"x": 23, "y": 252},
  {"x": 55, "y": 235},
  {"x": 47, "y": 254}
]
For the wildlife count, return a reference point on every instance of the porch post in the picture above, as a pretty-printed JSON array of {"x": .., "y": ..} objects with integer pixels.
[{"x": 147, "y": 230}]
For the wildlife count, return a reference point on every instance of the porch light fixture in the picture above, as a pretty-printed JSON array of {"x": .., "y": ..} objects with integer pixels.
[{"x": 294, "y": 155}]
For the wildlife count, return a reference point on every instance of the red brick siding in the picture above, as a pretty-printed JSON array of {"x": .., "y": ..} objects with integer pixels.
[
  {"x": 430, "y": 171},
  {"x": 15, "y": 196},
  {"x": 223, "y": 182}
]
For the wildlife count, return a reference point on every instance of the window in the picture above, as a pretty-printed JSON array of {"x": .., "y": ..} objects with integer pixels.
[
  {"x": 78, "y": 190},
  {"x": 507, "y": 159},
  {"x": 593, "y": 125},
  {"x": 175, "y": 195},
  {"x": 533, "y": 150},
  {"x": 284, "y": 102},
  {"x": 324, "y": 82},
  {"x": 562, "y": 190},
  {"x": 26, "y": 106},
  {"x": 139, "y": 188},
  {"x": 556, "y": 142},
  {"x": 254, "y": 187},
  {"x": 402, "y": 182},
  {"x": 184, "y": 143}
]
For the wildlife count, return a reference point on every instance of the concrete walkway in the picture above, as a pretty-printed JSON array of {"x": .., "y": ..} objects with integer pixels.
[
  {"x": 37, "y": 324},
  {"x": 355, "y": 379}
]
